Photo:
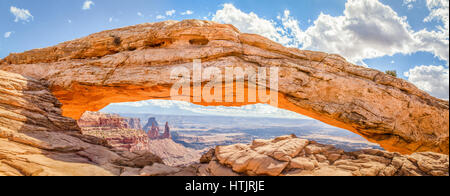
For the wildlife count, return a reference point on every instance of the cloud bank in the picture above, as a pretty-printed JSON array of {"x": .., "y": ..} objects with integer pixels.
[{"x": 367, "y": 29}]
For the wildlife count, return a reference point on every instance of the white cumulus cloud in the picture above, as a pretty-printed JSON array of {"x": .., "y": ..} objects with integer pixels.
[
  {"x": 250, "y": 23},
  {"x": 187, "y": 12},
  {"x": 432, "y": 79},
  {"x": 170, "y": 12},
  {"x": 367, "y": 29},
  {"x": 21, "y": 14},
  {"x": 439, "y": 10},
  {"x": 7, "y": 34},
  {"x": 409, "y": 3},
  {"x": 112, "y": 19},
  {"x": 87, "y": 5}
]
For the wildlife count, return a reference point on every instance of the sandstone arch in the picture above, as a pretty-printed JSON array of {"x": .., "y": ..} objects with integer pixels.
[{"x": 134, "y": 63}]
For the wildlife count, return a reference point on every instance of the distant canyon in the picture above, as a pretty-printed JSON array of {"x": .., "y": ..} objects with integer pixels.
[{"x": 186, "y": 137}]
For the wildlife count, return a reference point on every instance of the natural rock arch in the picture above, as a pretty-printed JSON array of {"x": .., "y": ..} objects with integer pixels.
[{"x": 134, "y": 64}]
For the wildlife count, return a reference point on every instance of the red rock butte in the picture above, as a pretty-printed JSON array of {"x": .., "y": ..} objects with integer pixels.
[{"x": 134, "y": 64}]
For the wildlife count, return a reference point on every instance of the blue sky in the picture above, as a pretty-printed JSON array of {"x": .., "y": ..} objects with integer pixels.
[{"x": 410, "y": 36}]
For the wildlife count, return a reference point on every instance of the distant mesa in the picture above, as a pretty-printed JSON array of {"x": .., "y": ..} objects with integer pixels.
[
  {"x": 135, "y": 123},
  {"x": 153, "y": 131},
  {"x": 166, "y": 134},
  {"x": 150, "y": 123}
]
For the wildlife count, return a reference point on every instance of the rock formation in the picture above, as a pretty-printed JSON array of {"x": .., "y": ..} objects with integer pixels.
[
  {"x": 35, "y": 139},
  {"x": 97, "y": 119},
  {"x": 134, "y": 123},
  {"x": 89, "y": 73},
  {"x": 153, "y": 130},
  {"x": 291, "y": 156},
  {"x": 166, "y": 134},
  {"x": 151, "y": 122},
  {"x": 153, "y": 133}
]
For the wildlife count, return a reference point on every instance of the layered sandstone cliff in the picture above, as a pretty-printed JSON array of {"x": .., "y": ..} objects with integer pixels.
[
  {"x": 120, "y": 132},
  {"x": 291, "y": 156},
  {"x": 114, "y": 130},
  {"x": 134, "y": 63}
]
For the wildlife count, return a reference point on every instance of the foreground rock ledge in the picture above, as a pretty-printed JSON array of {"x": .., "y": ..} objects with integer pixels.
[
  {"x": 291, "y": 156},
  {"x": 134, "y": 63}
]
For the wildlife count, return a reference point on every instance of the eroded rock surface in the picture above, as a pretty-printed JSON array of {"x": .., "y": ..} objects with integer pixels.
[
  {"x": 36, "y": 140},
  {"x": 134, "y": 63},
  {"x": 291, "y": 156}
]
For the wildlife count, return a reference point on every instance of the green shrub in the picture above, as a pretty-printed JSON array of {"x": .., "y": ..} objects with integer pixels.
[{"x": 392, "y": 73}]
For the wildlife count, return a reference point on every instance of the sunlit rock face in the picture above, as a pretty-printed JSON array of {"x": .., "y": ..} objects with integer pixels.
[{"x": 134, "y": 63}]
